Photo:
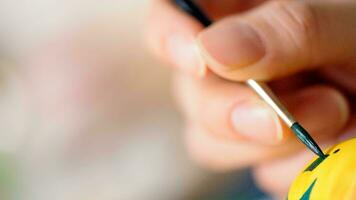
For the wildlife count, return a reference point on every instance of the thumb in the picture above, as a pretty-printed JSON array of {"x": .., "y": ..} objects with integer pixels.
[{"x": 280, "y": 38}]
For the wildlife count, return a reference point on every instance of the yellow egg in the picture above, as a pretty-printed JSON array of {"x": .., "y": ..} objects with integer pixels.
[{"x": 333, "y": 178}]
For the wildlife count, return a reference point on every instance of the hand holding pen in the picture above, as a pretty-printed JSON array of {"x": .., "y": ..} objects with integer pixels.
[{"x": 229, "y": 126}]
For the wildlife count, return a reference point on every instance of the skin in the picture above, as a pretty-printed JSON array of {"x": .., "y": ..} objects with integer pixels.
[{"x": 306, "y": 51}]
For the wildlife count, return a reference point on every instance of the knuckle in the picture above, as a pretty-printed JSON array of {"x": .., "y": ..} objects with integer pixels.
[
  {"x": 299, "y": 22},
  {"x": 300, "y": 15}
]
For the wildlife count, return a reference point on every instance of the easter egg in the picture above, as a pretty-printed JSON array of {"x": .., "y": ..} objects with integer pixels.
[{"x": 332, "y": 178}]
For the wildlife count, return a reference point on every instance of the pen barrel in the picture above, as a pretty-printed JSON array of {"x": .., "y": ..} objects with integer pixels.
[
  {"x": 195, "y": 11},
  {"x": 263, "y": 90}
]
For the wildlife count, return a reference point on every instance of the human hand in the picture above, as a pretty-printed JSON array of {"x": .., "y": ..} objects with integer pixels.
[{"x": 229, "y": 127}]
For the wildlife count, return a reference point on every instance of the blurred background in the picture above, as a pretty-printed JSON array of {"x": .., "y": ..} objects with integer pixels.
[{"x": 87, "y": 113}]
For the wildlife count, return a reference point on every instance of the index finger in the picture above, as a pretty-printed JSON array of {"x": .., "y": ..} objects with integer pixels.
[{"x": 171, "y": 33}]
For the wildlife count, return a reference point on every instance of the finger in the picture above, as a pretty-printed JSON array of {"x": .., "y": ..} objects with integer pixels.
[
  {"x": 212, "y": 101},
  {"x": 171, "y": 32},
  {"x": 323, "y": 110},
  {"x": 232, "y": 111},
  {"x": 224, "y": 155},
  {"x": 281, "y": 38},
  {"x": 343, "y": 77},
  {"x": 350, "y": 130}
]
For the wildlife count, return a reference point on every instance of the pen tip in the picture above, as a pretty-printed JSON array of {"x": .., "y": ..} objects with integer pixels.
[{"x": 304, "y": 137}]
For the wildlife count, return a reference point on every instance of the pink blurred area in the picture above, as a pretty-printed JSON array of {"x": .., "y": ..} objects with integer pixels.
[{"x": 85, "y": 109}]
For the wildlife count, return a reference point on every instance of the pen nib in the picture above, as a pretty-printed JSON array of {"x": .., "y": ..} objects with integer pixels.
[{"x": 304, "y": 136}]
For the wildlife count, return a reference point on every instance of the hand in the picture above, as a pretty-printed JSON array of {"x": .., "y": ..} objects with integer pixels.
[{"x": 306, "y": 50}]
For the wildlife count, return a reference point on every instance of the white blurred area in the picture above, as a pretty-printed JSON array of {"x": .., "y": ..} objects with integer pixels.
[{"x": 85, "y": 109}]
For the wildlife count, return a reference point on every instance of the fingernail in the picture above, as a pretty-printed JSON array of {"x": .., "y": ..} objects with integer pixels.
[
  {"x": 233, "y": 44},
  {"x": 256, "y": 121},
  {"x": 184, "y": 52}
]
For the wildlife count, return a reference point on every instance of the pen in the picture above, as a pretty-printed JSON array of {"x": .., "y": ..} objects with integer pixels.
[{"x": 260, "y": 88}]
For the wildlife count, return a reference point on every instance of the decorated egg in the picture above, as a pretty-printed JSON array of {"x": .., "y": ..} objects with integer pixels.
[{"x": 332, "y": 178}]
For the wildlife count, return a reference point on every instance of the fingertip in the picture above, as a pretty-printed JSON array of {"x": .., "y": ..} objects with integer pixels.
[
  {"x": 183, "y": 53},
  {"x": 171, "y": 34},
  {"x": 323, "y": 110}
]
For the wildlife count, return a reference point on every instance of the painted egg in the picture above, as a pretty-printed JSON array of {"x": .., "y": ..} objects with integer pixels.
[{"x": 332, "y": 178}]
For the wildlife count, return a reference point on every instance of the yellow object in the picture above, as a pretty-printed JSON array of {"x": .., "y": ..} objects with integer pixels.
[{"x": 333, "y": 178}]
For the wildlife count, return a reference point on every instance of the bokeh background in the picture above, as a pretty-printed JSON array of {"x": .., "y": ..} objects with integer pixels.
[{"x": 87, "y": 112}]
